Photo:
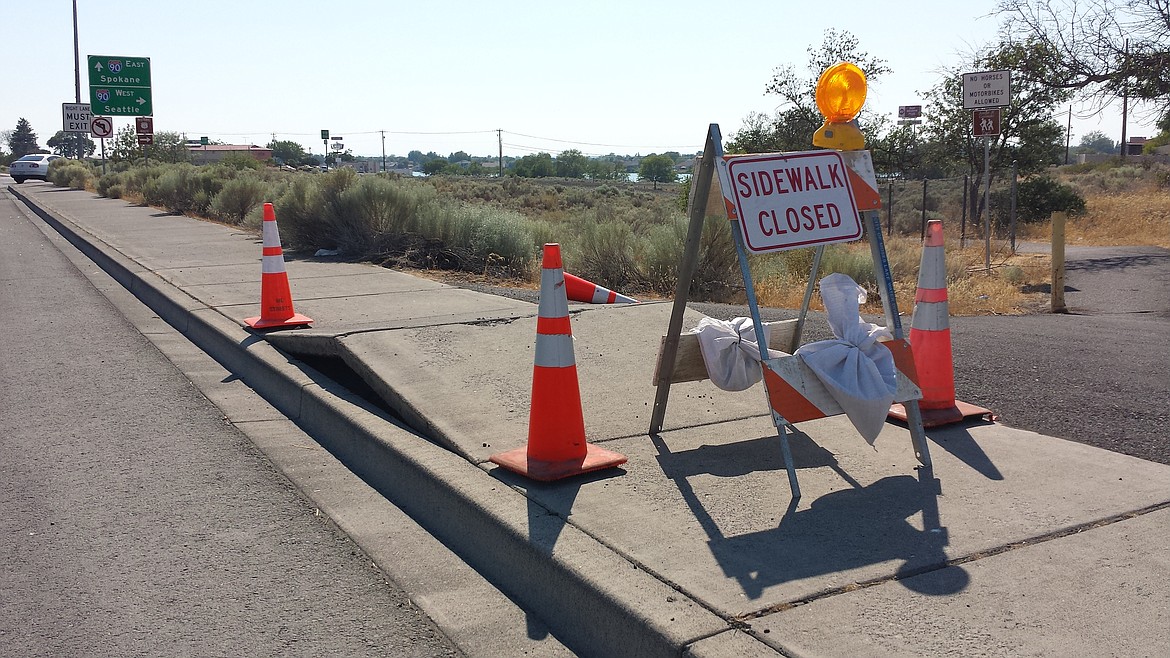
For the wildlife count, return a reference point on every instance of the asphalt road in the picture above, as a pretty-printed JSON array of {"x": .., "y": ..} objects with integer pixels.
[
  {"x": 1097, "y": 375},
  {"x": 137, "y": 520}
]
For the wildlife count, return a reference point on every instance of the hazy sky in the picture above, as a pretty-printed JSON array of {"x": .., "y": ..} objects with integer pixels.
[{"x": 599, "y": 76}]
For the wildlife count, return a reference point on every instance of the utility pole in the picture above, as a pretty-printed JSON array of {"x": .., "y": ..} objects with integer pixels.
[
  {"x": 79, "y": 149},
  {"x": 1125, "y": 101},
  {"x": 383, "y": 150},
  {"x": 1068, "y": 134},
  {"x": 500, "y": 141}
]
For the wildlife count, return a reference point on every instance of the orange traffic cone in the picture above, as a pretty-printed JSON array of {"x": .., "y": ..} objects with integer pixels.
[
  {"x": 930, "y": 340},
  {"x": 556, "y": 429},
  {"x": 580, "y": 290},
  {"x": 276, "y": 304}
]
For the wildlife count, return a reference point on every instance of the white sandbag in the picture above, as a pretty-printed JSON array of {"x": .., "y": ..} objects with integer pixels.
[
  {"x": 857, "y": 371},
  {"x": 730, "y": 352}
]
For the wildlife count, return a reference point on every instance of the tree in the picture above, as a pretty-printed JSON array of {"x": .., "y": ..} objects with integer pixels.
[
  {"x": 167, "y": 147},
  {"x": 435, "y": 166},
  {"x": 572, "y": 164},
  {"x": 1096, "y": 141},
  {"x": 457, "y": 157},
  {"x": 71, "y": 145},
  {"x": 125, "y": 145},
  {"x": 793, "y": 125},
  {"x": 290, "y": 153},
  {"x": 657, "y": 168},
  {"x": 901, "y": 152},
  {"x": 1028, "y": 133},
  {"x": 1162, "y": 138},
  {"x": 1088, "y": 40},
  {"x": 23, "y": 140},
  {"x": 535, "y": 165}
]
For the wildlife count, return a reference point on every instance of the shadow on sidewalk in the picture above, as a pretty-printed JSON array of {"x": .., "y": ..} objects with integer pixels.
[{"x": 840, "y": 531}]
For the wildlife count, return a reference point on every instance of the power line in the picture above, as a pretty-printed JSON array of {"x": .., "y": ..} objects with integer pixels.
[
  {"x": 499, "y": 133},
  {"x": 625, "y": 146}
]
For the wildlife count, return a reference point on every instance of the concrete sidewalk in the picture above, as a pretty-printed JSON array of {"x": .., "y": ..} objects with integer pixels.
[{"x": 1016, "y": 543}]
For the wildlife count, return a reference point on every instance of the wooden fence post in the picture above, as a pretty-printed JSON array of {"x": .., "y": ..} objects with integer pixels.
[{"x": 1058, "y": 220}]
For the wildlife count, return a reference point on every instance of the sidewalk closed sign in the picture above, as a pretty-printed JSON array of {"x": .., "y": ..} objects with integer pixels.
[{"x": 789, "y": 200}]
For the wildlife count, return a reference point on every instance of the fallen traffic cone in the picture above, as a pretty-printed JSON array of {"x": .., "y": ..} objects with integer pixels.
[
  {"x": 930, "y": 341},
  {"x": 556, "y": 428},
  {"x": 276, "y": 304},
  {"x": 580, "y": 290}
]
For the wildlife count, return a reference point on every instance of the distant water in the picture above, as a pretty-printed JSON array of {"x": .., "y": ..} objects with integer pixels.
[{"x": 682, "y": 178}]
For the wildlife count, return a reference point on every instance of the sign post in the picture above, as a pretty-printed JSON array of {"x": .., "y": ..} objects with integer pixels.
[
  {"x": 120, "y": 86},
  {"x": 102, "y": 127},
  {"x": 983, "y": 91}
]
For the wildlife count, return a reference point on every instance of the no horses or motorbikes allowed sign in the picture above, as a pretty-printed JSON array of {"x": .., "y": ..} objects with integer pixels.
[{"x": 789, "y": 200}]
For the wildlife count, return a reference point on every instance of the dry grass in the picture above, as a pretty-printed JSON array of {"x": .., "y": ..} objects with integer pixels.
[
  {"x": 1135, "y": 218},
  {"x": 1013, "y": 285}
]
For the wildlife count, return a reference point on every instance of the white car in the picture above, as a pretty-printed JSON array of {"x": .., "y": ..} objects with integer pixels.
[{"x": 34, "y": 165}]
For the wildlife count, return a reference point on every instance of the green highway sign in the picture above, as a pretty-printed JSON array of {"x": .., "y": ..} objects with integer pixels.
[{"x": 119, "y": 86}]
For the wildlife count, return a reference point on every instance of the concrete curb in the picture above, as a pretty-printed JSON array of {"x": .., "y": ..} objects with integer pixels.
[{"x": 595, "y": 601}]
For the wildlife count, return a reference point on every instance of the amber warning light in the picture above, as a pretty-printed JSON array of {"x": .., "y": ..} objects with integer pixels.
[{"x": 840, "y": 94}]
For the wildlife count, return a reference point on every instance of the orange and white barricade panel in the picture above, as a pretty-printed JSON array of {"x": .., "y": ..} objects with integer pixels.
[{"x": 797, "y": 394}]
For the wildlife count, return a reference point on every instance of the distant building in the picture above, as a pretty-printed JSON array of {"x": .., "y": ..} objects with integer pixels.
[
  {"x": 213, "y": 153},
  {"x": 362, "y": 166},
  {"x": 1135, "y": 145}
]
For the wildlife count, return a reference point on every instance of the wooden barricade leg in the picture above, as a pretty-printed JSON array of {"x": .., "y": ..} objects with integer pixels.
[{"x": 700, "y": 190}]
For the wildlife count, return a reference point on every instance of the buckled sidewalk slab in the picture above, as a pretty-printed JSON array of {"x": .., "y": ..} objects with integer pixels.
[{"x": 693, "y": 545}]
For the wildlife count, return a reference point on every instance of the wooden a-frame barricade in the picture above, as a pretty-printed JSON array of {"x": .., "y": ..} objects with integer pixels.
[{"x": 793, "y": 392}]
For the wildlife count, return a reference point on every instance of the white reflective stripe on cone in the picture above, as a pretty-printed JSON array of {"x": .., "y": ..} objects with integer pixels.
[
  {"x": 934, "y": 268},
  {"x": 271, "y": 234},
  {"x": 272, "y": 264},
  {"x": 622, "y": 299},
  {"x": 553, "y": 302},
  {"x": 554, "y": 351},
  {"x": 600, "y": 295},
  {"x": 931, "y": 316}
]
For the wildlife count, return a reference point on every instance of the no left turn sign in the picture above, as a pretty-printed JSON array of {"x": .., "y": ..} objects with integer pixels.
[{"x": 101, "y": 127}]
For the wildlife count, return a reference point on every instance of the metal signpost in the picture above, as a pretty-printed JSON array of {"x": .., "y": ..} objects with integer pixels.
[
  {"x": 120, "y": 86},
  {"x": 984, "y": 91},
  {"x": 102, "y": 127}
]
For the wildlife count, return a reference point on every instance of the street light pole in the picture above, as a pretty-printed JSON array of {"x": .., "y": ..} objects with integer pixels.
[{"x": 77, "y": 145}]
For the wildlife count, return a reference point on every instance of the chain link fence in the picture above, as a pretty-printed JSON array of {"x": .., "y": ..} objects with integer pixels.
[{"x": 959, "y": 202}]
